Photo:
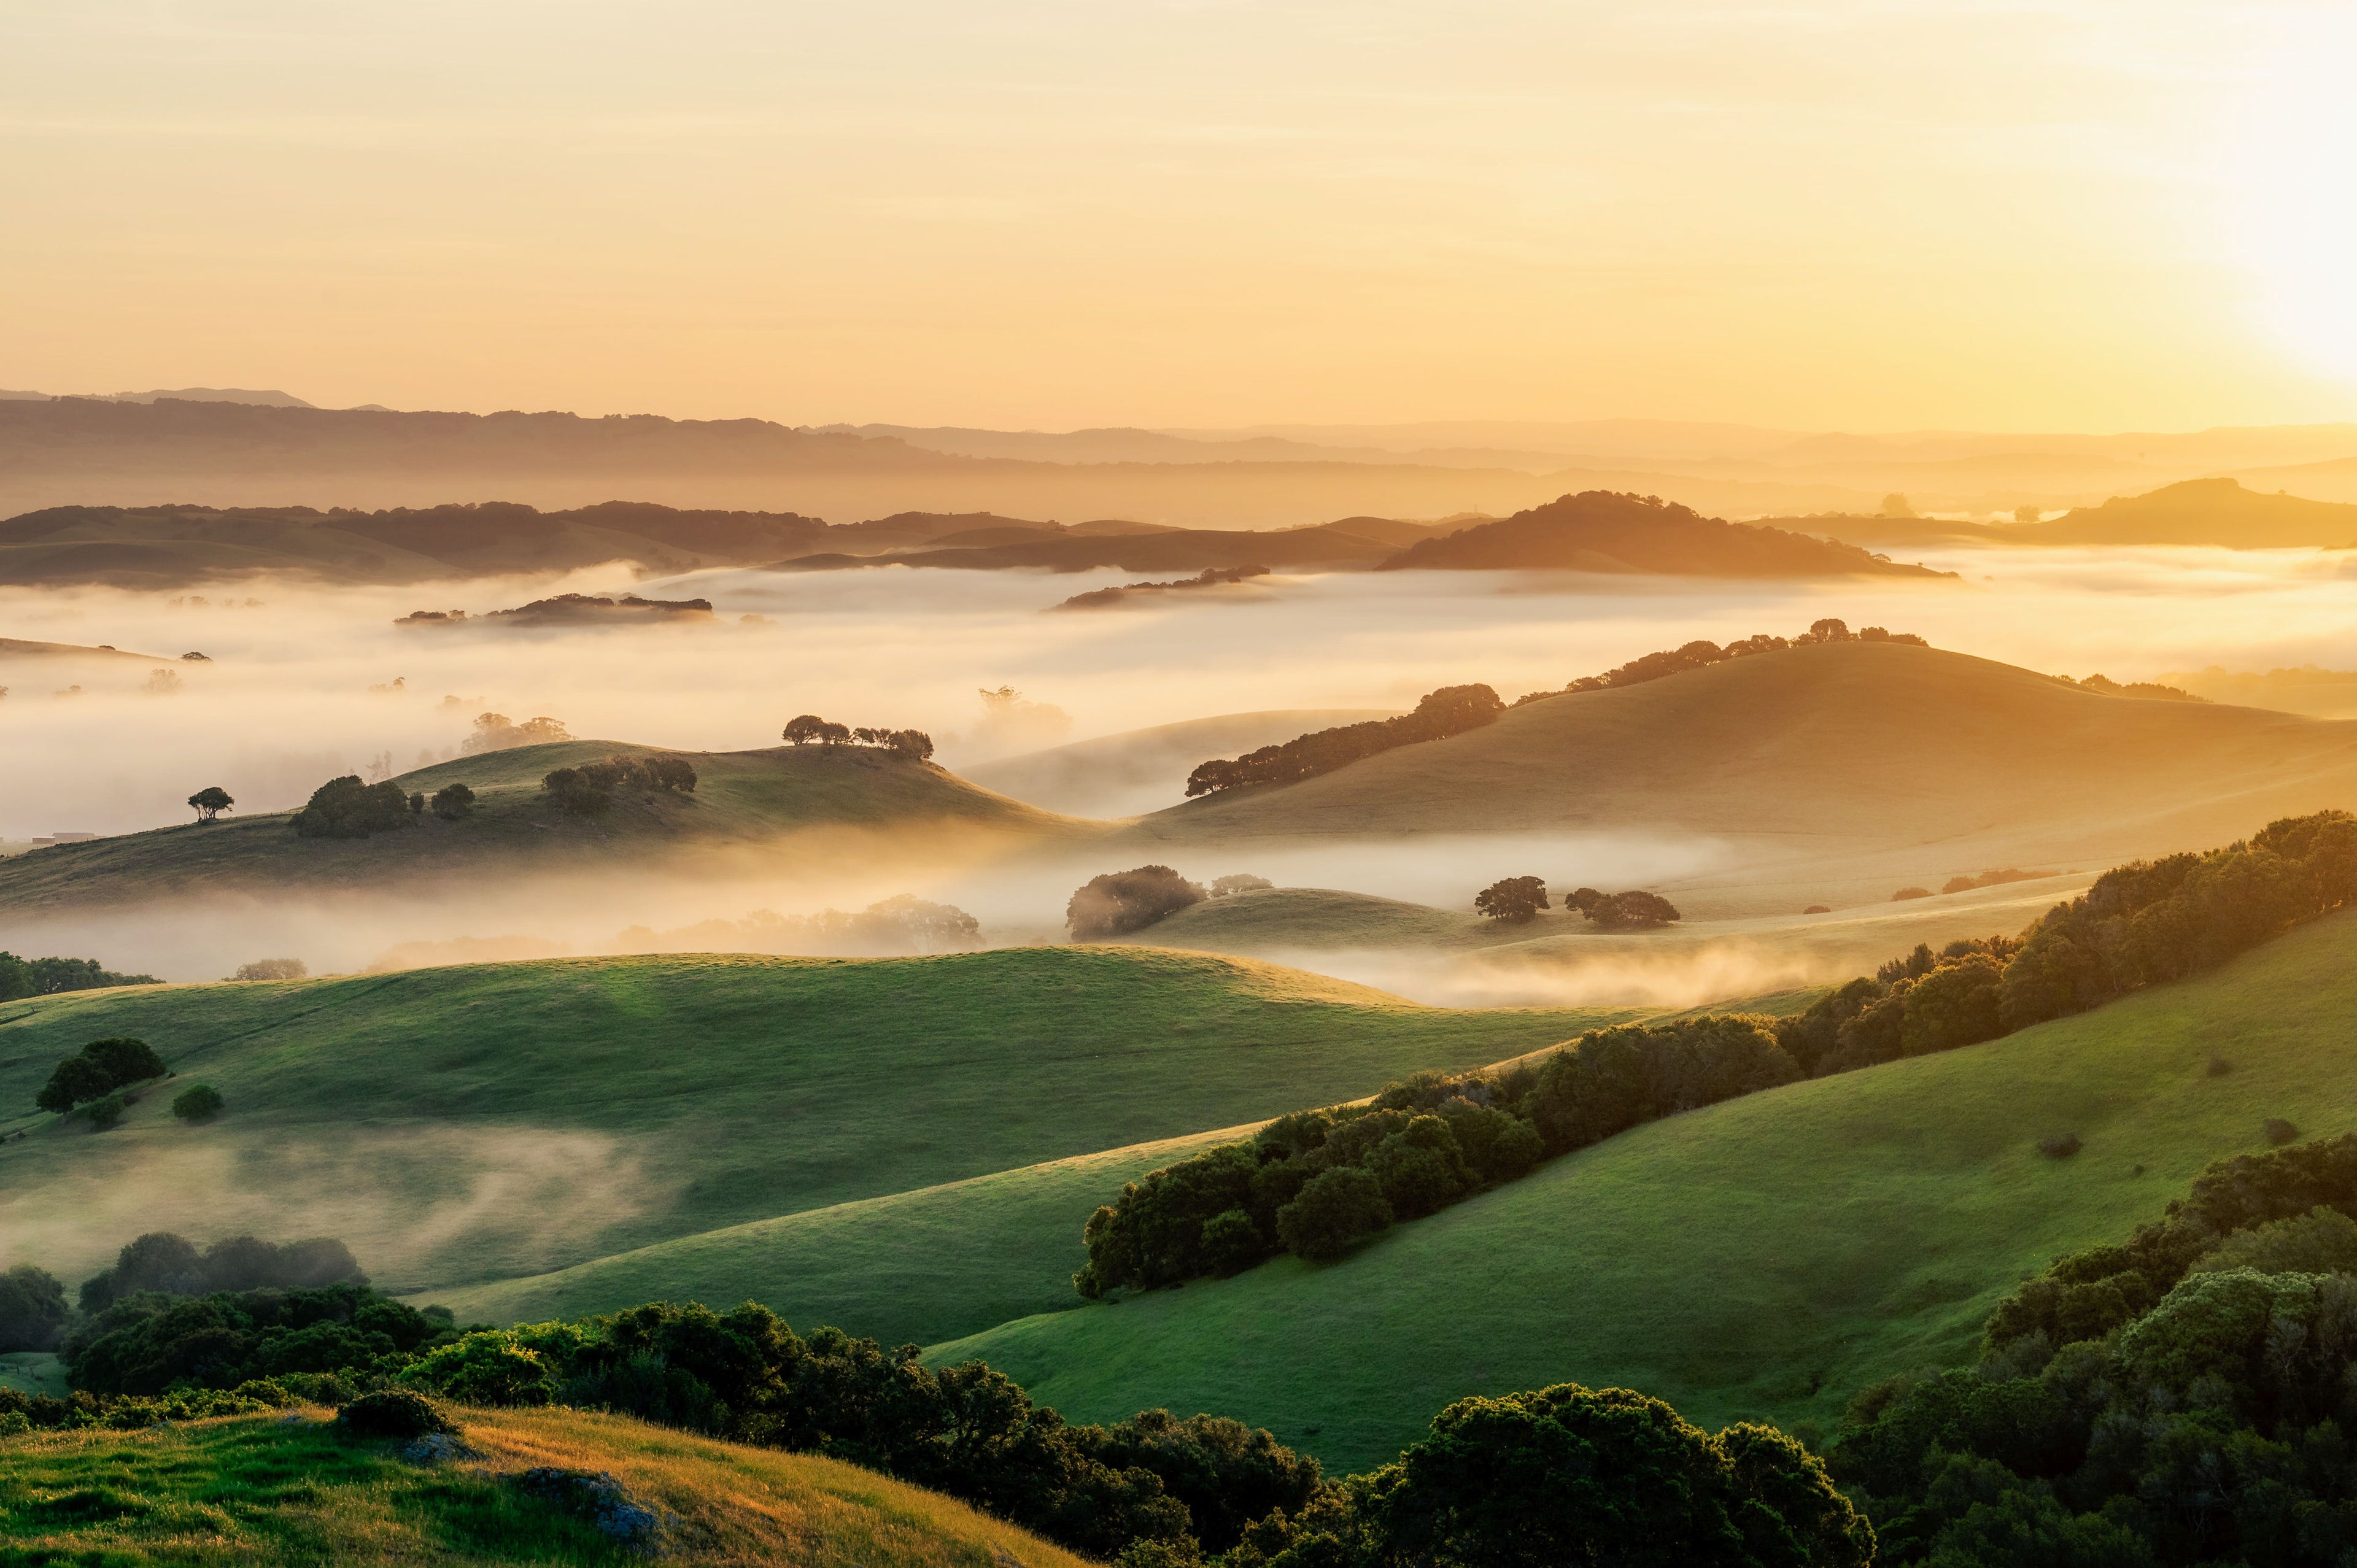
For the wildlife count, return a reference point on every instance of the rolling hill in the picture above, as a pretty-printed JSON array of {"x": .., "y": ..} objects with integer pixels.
[
  {"x": 1853, "y": 752},
  {"x": 746, "y": 806},
  {"x": 1140, "y": 770},
  {"x": 2218, "y": 513},
  {"x": 474, "y": 1124},
  {"x": 1602, "y": 531},
  {"x": 1764, "y": 1258},
  {"x": 272, "y": 1491}
]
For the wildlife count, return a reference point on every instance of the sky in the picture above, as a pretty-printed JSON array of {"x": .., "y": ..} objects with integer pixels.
[{"x": 1854, "y": 214}]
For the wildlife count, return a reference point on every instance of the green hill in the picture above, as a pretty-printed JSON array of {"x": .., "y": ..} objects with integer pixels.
[
  {"x": 1832, "y": 752},
  {"x": 1763, "y": 1258},
  {"x": 479, "y": 1123},
  {"x": 745, "y": 811},
  {"x": 265, "y": 1490}
]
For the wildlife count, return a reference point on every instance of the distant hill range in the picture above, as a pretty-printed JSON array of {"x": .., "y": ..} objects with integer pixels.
[
  {"x": 168, "y": 545},
  {"x": 2219, "y": 512}
]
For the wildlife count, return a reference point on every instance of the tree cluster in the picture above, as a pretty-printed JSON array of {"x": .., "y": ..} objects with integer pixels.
[
  {"x": 1451, "y": 710},
  {"x": 497, "y": 732},
  {"x": 1239, "y": 882},
  {"x": 2186, "y": 1397},
  {"x": 453, "y": 802},
  {"x": 1517, "y": 900},
  {"x": 2139, "y": 925},
  {"x": 150, "y": 1343},
  {"x": 589, "y": 790},
  {"x": 347, "y": 809},
  {"x": 98, "y": 1069},
  {"x": 1701, "y": 655},
  {"x": 162, "y": 1263},
  {"x": 21, "y": 977},
  {"x": 1319, "y": 1183},
  {"x": 33, "y": 1311},
  {"x": 804, "y": 728},
  {"x": 1120, "y": 902}
]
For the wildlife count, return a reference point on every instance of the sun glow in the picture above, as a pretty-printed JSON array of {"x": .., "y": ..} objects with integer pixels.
[{"x": 2292, "y": 211}]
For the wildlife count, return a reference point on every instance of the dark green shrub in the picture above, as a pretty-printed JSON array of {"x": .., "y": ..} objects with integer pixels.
[
  {"x": 125, "y": 1061},
  {"x": 106, "y": 1115},
  {"x": 74, "y": 1081},
  {"x": 32, "y": 1309},
  {"x": 453, "y": 802},
  {"x": 394, "y": 1413},
  {"x": 1232, "y": 1243},
  {"x": 2279, "y": 1131},
  {"x": 579, "y": 792},
  {"x": 197, "y": 1102},
  {"x": 347, "y": 809},
  {"x": 167, "y": 1264},
  {"x": 2060, "y": 1147},
  {"x": 1336, "y": 1212}
]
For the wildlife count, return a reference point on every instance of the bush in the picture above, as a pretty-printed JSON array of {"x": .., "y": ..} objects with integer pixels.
[
  {"x": 1335, "y": 1211},
  {"x": 273, "y": 969},
  {"x": 395, "y": 1413},
  {"x": 102, "y": 1068},
  {"x": 347, "y": 809},
  {"x": 106, "y": 1115},
  {"x": 2060, "y": 1146},
  {"x": 2279, "y": 1131},
  {"x": 1123, "y": 901},
  {"x": 453, "y": 802},
  {"x": 1906, "y": 893},
  {"x": 33, "y": 1310},
  {"x": 1818, "y": 910},
  {"x": 197, "y": 1102}
]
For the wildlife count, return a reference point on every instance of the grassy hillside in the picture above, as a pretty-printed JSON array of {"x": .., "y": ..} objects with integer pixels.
[
  {"x": 477, "y": 1122},
  {"x": 1763, "y": 1258},
  {"x": 267, "y": 1490},
  {"x": 1140, "y": 770},
  {"x": 745, "y": 802},
  {"x": 912, "y": 1267},
  {"x": 2202, "y": 511},
  {"x": 1842, "y": 748}
]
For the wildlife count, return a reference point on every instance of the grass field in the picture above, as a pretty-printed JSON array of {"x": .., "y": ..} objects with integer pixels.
[
  {"x": 467, "y": 1125},
  {"x": 279, "y": 1491},
  {"x": 1764, "y": 1258},
  {"x": 747, "y": 807}
]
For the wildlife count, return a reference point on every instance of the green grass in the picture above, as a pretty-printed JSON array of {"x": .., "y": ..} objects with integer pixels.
[
  {"x": 909, "y": 1268},
  {"x": 33, "y": 1372},
  {"x": 276, "y": 1490},
  {"x": 462, "y": 1125},
  {"x": 747, "y": 804},
  {"x": 1759, "y": 1259}
]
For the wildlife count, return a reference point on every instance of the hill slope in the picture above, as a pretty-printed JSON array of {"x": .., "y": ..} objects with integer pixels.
[
  {"x": 477, "y": 1122},
  {"x": 1139, "y": 769},
  {"x": 259, "y": 1489},
  {"x": 1763, "y": 1258},
  {"x": 1833, "y": 747},
  {"x": 1602, "y": 531},
  {"x": 2201, "y": 511},
  {"x": 745, "y": 803}
]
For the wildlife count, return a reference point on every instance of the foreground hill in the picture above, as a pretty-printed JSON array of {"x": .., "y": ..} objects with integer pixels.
[
  {"x": 1831, "y": 748},
  {"x": 1765, "y": 1258},
  {"x": 477, "y": 1122},
  {"x": 1601, "y": 531},
  {"x": 745, "y": 804},
  {"x": 1137, "y": 771},
  {"x": 262, "y": 1489}
]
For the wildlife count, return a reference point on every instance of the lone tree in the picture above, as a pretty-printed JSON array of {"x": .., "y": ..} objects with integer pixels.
[
  {"x": 1123, "y": 901},
  {"x": 1516, "y": 900},
  {"x": 210, "y": 801}
]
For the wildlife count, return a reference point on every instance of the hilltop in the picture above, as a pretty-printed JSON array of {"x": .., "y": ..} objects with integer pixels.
[
  {"x": 477, "y": 1122},
  {"x": 746, "y": 805},
  {"x": 2202, "y": 511},
  {"x": 1602, "y": 531},
  {"x": 1762, "y": 1259},
  {"x": 272, "y": 1490},
  {"x": 1848, "y": 748}
]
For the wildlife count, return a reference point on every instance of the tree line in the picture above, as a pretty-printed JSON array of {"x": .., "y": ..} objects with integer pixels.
[
  {"x": 589, "y": 789},
  {"x": 2187, "y": 1396},
  {"x": 1701, "y": 655},
  {"x": 804, "y": 728},
  {"x": 22, "y": 977},
  {"x": 1560, "y": 1474},
  {"x": 1451, "y": 710},
  {"x": 1319, "y": 1183},
  {"x": 1518, "y": 900}
]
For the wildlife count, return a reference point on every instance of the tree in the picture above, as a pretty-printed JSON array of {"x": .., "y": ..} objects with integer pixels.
[
  {"x": 347, "y": 809},
  {"x": 33, "y": 1310},
  {"x": 1337, "y": 1211},
  {"x": 804, "y": 728},
  {"x": 913, "y": 744},
  {"x": 126, "y": 1060},
  {"x": 1567, "y": 1475},
  {"x": 197, "y": 1102},
  {"x": 580, "y": 791},
  {"x": 73, "y": 1081},
  {"x": 1123, "y": 901},
  {"x": 1516, "y": 900},
  {"x": 210, "y": 801},
  {"x": 272, "y": 968},
  {"x": 453, "y": 802},
  {"x": 417, "y": 804},
  {"x": 1829, "y": 631},
  {"x": 832, "y": 733},
  {"x": 1239, "y": 882},
  {"x": 497, "y": 732},
  {"x": 1632, "y": 911}
]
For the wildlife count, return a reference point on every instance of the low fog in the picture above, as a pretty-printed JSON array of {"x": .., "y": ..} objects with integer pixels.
[{"x": 303, "y": 682}]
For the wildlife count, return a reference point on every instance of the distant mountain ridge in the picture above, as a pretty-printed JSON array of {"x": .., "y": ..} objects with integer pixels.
[{"x": 1601, "y": 531}]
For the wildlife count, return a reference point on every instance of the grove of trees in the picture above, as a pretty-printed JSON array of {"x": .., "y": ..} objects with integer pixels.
[
  {"x": 804, "y": 728},
  {"x": 98, "y": 1069},
  {"x": 347, "y": 809},
  {"x": 497, "y": 732},
  {"x": 1120, "y": 902},
  {"x": 48, "y": 976},
  {"x": 589, "y": 790},
  {"x": 1451, "y": 710}
]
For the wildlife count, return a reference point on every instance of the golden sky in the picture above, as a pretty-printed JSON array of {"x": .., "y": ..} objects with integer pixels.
[{"x": 1861, "y": 214}]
